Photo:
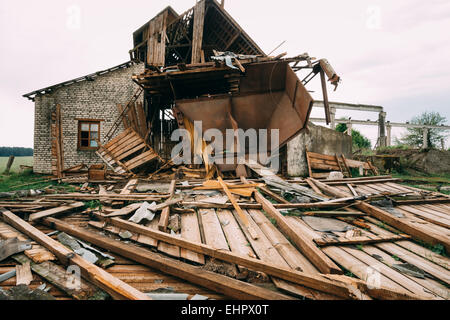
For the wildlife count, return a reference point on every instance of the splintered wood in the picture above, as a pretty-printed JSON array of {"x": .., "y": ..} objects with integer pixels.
[{"x": 224, "y": 235}]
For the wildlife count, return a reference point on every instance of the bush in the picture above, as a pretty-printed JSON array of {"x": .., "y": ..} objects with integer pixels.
[{"x": 359, "y": 140}]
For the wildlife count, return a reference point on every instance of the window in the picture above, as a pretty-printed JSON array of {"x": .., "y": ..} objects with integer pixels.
[{"x": 88, "y": 134}]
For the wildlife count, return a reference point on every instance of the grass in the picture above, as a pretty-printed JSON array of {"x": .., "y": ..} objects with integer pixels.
[
  {"x": 28, "y": 180},
  {"x": 18, "y": 161}
]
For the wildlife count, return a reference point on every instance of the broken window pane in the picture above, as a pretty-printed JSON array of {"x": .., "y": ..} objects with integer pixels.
[
  {"x": 84, "y": 135},
  {"x": 85, "y": 143},
  {"x": 94, "y": 127},
  {"x": 94, "y": 135}
]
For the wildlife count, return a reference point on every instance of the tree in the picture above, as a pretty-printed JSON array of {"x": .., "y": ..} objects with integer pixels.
[
  {"x": 359, "y": 140},
  {"x": 414, "y": 137}
]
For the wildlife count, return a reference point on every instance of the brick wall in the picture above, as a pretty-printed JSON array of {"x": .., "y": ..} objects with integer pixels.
[{"x": 96, "y": 99}]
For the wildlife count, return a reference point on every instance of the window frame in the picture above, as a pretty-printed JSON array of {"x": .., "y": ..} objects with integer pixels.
[{"x": 90, "y": 122}]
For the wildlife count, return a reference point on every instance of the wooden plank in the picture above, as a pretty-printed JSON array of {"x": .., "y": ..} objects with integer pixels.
[
  {"x": 219, "y": 283},
  {"x": 273, "y": 195},
  {"x": 340, "y": 241},
  {"x": 307, "y": 247},
  {"x": 237, "y": 208},
  {"x": 197, "y": 38},
  {"x": 190, "y": 230},
  {"x": 267, "y": 253},
  {"x": 58, "y": 276},
  {"x": 132, "y": 117},
  {"x": 115, "y": 287},
  {"x": 414, "y": 230},
  {"x": 23, "y": 274},
  {"x": 307, "y": 280},
  {"x": 292, "y": 256},
  {"x": 37, "y": 253},
  {"x": 344, "y": 160},
  {"x": 55, "y": 211},
  {"x": 335, "y": 214},
  {"x": 427, "y": 266},
  {"x": 361, "y": 269},
  {"x": 141, "y": 159},
  {"x": 130, "y": 186},
  {"x": 235, "y": 237},
  {"x": 428, "y": 285},
  {"x": 390, "y": 273}
]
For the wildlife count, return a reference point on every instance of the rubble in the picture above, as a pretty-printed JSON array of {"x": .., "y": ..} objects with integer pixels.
[{"x": 215, "y": 229}]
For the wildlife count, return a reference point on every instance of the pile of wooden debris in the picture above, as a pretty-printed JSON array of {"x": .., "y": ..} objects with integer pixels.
[{"x": 262, "y": 237}]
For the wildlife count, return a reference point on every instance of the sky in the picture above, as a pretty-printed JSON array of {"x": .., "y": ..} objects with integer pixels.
[{"x": 394, "y": 54}]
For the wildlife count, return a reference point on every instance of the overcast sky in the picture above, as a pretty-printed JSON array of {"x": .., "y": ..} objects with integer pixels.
[{"x": 390, "y": 53}]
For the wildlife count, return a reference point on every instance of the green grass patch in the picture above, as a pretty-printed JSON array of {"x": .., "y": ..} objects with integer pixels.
[
  {"x": 28, "y": 180},
  {"x": 18, "y": 161}
]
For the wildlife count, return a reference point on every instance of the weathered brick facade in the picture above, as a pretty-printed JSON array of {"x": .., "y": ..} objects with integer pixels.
[{"x": 95, "y": 99}]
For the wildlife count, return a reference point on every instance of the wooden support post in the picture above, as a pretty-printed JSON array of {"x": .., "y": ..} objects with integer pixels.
[
  {"x": 9, "y": 164},
  {"x": 197, "y": 38},
  {"x": 213, "y": 281},
  {"x": 115, "y": 287},
  {"x": 165, "y": 215}
]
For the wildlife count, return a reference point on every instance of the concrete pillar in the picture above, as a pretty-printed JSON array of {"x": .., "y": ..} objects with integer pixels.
[
  {"x": 382, "y": 129},
  {"x": 425, "y": 138},
  {"x": 349, "y": 128},
  {"x": 333, "y": 118},
  {"x": 389, "y": 135}
]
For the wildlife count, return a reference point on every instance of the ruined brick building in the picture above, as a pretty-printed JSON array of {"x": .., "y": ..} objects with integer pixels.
[{"x": 73, "y": 119}]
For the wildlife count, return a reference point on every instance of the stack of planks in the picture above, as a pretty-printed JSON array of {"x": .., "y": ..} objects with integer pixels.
[
  {"x": 127, "y": 152},
  {"x": 320, "y": 165}
]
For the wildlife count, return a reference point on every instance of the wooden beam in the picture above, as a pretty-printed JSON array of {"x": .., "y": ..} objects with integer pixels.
[
  {"x": 55, "y": 211},
  {"x": 165, "y": 215},
  {"x": 407, "y": 227},
  {"x": 307, "y": 247},
  {"x": 197, "y": 37},
  {"x": 335, "y": 214},
  {"x": 273, "y": 195},
  {"x": 311, "y": 281},
  {"x": 213, "y": 281},
  {"x": 238, "y": 209},
  {"x": 115, "y": 287},
  {"x": 259, "y": 206},
  {"x": 358, "y": 240}
]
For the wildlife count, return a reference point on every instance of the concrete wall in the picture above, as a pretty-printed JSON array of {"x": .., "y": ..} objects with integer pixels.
[
  {"x": 96, "y": 99},
  {"x": 319, "y": 140}
]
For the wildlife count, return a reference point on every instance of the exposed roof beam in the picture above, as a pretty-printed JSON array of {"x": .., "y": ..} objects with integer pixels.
[{"x": 375, "y": 123}]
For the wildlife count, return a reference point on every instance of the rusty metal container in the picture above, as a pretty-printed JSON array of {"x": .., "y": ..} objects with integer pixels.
[{"x": 271, "y": 96}]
